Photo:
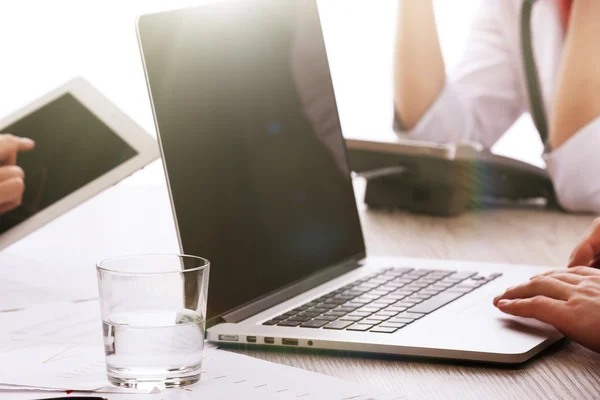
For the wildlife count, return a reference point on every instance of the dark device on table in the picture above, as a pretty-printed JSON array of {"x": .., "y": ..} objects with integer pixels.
[{"x": 444, "y": 179}]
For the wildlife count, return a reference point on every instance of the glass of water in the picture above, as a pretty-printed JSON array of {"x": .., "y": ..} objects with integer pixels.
[{"x": 153, "y": 319}]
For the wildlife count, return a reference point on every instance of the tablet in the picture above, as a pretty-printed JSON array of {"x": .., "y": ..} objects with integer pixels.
[{"x": 84, "y": 144}]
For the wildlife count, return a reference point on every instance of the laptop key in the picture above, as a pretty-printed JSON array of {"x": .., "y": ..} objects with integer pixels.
[
  {"x": 362, "y": 302},
  {"x": 410, "y": 314},
  {"x": 413, "y": 300},
  {"x": 370, "y": 321},
  {"x": 431, "y": 291},
  {"x": 289, "y": 323},
  {"x": 379, "y": 329},
  {"x": 399, "y": 320},
  {"x": 335, "y": 301},
  {"x": 326, "y": 318},
  {"x": 272, "y": 322},
  {"x": 436, "y": 302},
  {"x": 346, "y": 309},
  {"x": 314, "y": 323},
  {"x": 405, "y": 304},
  {"x": 352, "y": 304},
  {"x": 360, "y": 314},
  {"x": 460, "y": 290},
  {"x": 396, "y": 309},
  {"x": 298, "y": 318},
  {"x": 338, "y": 325},
  {"x": 376, "y": 317},
  {"x": 335, "y": 314},
  {"x": 310, "y": 313},
  {"x": 396, "y": 325},
  {"x": 441, "y": 285},
  {"x": 388, "y": 313},
  {"x": 370, "y": 309},
  {"x": 353, "y": 318},
  {"x": 359, "y": 327},
  {"x": 344, "y": 297}
]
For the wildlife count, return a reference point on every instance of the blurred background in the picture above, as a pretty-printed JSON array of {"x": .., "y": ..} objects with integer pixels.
[{"x": 45, "y": 43}]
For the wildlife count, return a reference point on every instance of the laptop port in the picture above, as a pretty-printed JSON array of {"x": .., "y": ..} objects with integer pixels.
[
  {"x": 269, "y": 340},
  {"x": 251, "y": 339},
  {"x": 229, "y": 338},
  {"x": 289, "y": 342}
]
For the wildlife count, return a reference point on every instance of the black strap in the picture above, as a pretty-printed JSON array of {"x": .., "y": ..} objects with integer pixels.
[{"x": 531, "y": 72}]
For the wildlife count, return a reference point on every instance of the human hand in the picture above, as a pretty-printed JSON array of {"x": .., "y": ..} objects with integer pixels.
[
  {"x": 568, "y": 299},
  {"x": 587, "y": 251},
  {"x": 12, "y": 183}
]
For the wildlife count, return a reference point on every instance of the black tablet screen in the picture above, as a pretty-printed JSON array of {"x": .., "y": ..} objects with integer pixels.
[{"x": 73, "y": 148}]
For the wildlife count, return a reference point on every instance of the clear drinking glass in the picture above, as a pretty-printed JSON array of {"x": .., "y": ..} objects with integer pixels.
[{"x": 153, "y": 319}]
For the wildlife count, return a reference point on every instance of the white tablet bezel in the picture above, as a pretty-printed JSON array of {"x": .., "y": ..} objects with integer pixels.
[{"x": 134, "y": 135}]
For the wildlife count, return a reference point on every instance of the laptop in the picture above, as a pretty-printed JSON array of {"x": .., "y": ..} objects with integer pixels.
[{"x": 256, "y": 166}]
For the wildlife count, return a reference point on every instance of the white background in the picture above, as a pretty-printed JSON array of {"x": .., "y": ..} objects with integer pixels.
[{"x": 44, "y": 43}]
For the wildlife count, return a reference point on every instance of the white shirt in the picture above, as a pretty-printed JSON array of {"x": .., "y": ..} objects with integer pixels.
[{"x": 487, "y": 92}]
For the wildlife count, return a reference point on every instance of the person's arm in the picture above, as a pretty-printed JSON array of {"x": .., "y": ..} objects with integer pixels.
[
  {"x": 420, "y": 72},
  {"x": 480, "y": 99},
  {"x": 577, "y": 97},
  {"x": 568, "y": 299},
  {"x": 574, "y": 134}
]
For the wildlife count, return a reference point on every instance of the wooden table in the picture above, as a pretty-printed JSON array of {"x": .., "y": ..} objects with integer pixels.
[{"x": 137, "y": 219}]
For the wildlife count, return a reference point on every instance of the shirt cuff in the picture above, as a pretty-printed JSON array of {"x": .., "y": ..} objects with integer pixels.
[
  {"x": 575, "y": 170},
  {"x": 448, "y": 113}
]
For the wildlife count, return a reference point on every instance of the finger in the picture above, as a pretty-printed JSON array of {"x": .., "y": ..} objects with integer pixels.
[
  {"x": 572, "y": 279},
  {"x": 582, "y": 271},
  {"x": 11, "y": 190},
  {"x": 541, "y": 286},
  {"x": 25, "y": 144},
  {"x": 585, "y": 271},
  {"x": 588, "y": 248},
  {"x": 550, "y": 311},
  {"x": 10, "y": 145},
  {"x": 11, "y": 171},
  {"x": 6, "y": 207}
]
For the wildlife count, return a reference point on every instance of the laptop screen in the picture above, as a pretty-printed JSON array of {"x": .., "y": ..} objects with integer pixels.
[{"x": 252, "y": 143}]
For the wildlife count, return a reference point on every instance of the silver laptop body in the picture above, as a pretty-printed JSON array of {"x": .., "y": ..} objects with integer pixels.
[{"x": 256, "y": 165}]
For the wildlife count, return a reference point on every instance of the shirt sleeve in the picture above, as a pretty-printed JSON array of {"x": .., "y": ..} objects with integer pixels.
[
  {"x": 575, "y": 170},
  {"x": 482, "y": 97}
]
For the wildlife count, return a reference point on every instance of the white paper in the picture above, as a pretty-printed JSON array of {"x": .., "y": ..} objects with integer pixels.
[
  {"x": 25, "y": 282},
  {"x": 232, "y": 376},
  {"x": 59, "y": 347},
  {"x": 54, "y": 346}
]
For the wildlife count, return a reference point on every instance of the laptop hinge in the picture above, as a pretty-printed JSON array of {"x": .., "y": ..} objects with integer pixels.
[{"x": 286, "y": 293}]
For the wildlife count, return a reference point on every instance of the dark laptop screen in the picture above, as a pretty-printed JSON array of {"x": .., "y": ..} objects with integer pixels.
[{"x": 252, "y": 143}]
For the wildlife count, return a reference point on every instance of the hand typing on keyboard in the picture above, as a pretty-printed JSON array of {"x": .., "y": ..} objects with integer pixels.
[
  {"x": 568, "y": 299},
  {"x": 385, "y": 301}
]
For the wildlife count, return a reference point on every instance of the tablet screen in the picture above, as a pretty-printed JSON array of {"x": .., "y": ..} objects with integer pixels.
[{"x": 73, "y": 148}]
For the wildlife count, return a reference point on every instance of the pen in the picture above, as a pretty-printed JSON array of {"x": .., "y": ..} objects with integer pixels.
[{"x": 73, "y": 398}]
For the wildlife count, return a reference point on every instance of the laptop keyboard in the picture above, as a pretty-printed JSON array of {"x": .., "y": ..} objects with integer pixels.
[{"x": 385, "y": 301}]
